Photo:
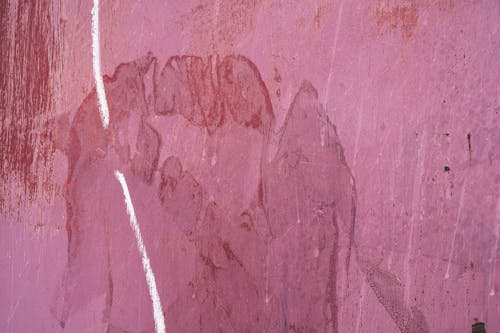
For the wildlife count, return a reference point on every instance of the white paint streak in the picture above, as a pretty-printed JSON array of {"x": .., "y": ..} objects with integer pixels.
[
  {"x": 416, "y": 209},
  {"x": 322, "y": 131},
  {"x": 459, "y": 214},
  {"x": 104, "y": 111},
  {"x": 358, "y": 134},
  {"x": 215, "y": 24},
  {"x": 267, "y": 298},
  {"x": 334, "y": 50},
  {"x": 96, "y": 61},
  {"x": 204, "y": 145},
  {"x": 493, "y": 258},
  {"x": 150, "y": 279}
]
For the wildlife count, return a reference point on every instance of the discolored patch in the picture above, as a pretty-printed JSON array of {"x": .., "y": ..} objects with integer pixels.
[
  {"x": 217, "y": 25},
  {"x": 402, "y": 15},
  {"x": 242, "y": 217},
  {"x": 29, "y": 68}
]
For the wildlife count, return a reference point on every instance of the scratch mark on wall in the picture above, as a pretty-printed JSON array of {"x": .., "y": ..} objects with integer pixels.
[{"x": 150, "y": 278}]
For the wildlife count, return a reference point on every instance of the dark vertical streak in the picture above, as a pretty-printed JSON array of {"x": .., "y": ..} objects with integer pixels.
[{"x": 470, "y": 145}]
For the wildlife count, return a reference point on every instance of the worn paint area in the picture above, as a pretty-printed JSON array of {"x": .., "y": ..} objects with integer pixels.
[{"x": 30, "y": 66}]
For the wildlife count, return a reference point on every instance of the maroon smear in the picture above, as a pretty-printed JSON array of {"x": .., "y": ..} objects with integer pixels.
[
  {"x": 237, "y": 242},
  {"x": 204, "y": 92},
  {"x": 28, "y": 70},
  {"x": 145, "y": 161},
  {"x": 245, "y": 95},
  {"x": 180, "y": 194}
]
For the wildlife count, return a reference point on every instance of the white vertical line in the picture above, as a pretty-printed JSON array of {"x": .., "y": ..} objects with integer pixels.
[
  {"x": 104, "y": 111},
  {"x": 416, "y": 208},
  {"x": 334, "y": 50},
  {"x": 150, "y": 278},
  {"x": 96, "y": 57},
  {"x": 492, "y": 260},
  {"x": 457, "y": 223}
]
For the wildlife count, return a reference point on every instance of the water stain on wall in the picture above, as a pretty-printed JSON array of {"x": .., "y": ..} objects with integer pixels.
[{"x": 257, "y": 229}]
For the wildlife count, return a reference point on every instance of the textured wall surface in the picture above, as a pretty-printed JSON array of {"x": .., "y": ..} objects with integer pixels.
[{"x": 294, "y": 166}]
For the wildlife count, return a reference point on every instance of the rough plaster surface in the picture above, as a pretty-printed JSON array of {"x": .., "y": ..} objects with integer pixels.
[{"x": 294, "y": 166}]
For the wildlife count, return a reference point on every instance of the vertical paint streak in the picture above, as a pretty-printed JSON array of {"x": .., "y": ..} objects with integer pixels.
[
  {"x": 30, "y": 44},
  {"x": 358, "y": 134},
  {"x": 392, "y": 187},
  {"x": 334, "y": 50},
  {"x": 416, "y": 206},
  {"x": 96, "y": 57},
  {"x": 492, "y": 260},
  {"x": 297, "y": 201},
  {"x": 150, "y": 279},
  {"x": 460, "y": 206}
]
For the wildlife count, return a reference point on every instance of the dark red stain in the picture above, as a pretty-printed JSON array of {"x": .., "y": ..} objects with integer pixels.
[
  {"x": 145, "y": 161},
  {"x": 204, "y": 93},
  {"x": 297, "y": 225},
  {"x": 234, "y": 19},
  {"x": 28, "y": 69}
]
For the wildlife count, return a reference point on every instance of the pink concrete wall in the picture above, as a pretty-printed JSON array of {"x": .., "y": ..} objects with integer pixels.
[{"x": 366, "y": 198}]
